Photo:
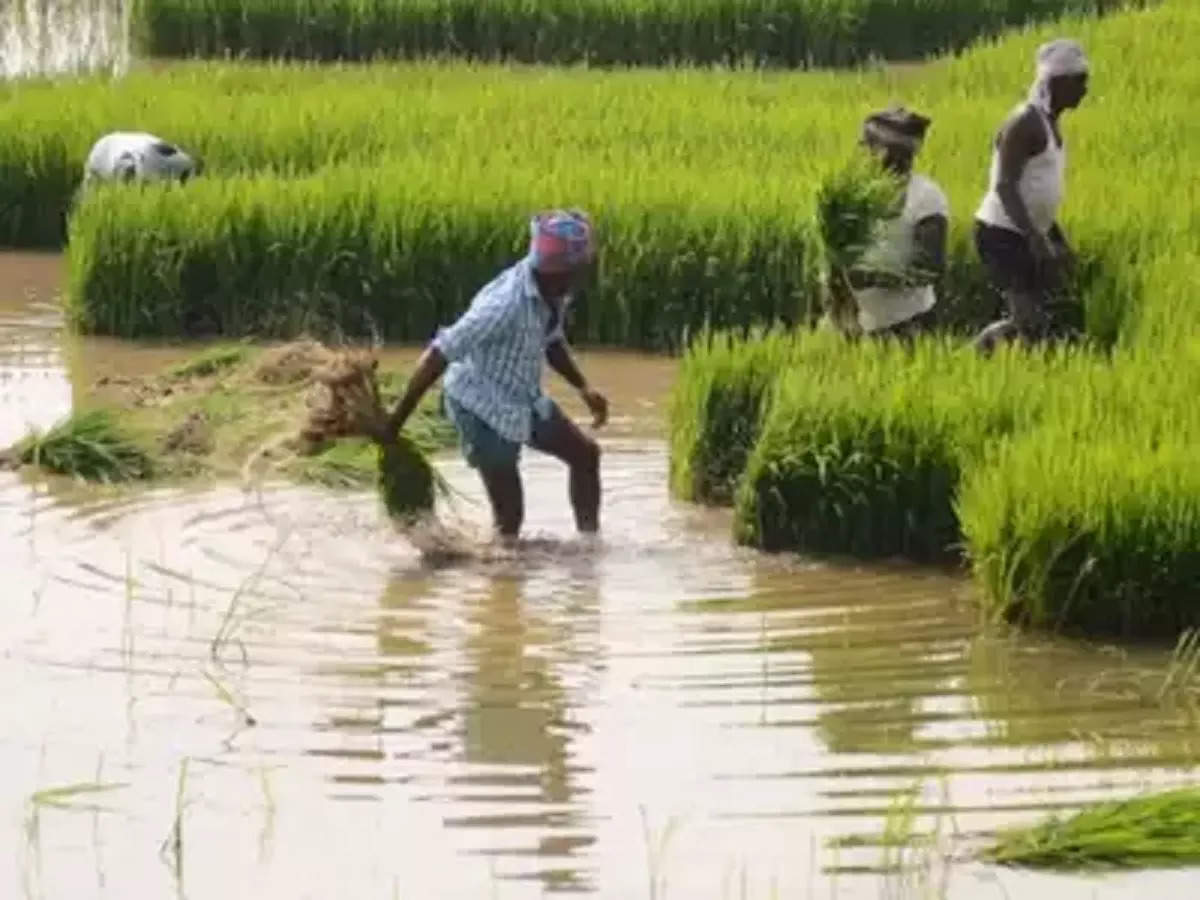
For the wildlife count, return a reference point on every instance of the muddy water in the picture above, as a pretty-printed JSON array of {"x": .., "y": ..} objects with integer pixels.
[
  {"x": 284, "y": 702},
  {"x": 50, "y": 37}
]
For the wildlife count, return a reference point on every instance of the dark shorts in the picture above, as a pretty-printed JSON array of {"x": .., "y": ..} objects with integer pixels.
[
  {"x": 482, "y": 446},
  {"x": 1007, "y": 259}
]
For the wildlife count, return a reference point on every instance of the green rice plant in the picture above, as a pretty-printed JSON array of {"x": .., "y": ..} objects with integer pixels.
[
  {"x": 1095, "y": 531},
  {"x": 598, "y": 32},
  {"x": 212, "y": 361},
  {"x": 716, "y": 408},
  {"x": 851, "y": 203},
  {"x": 706, "y": 196},
  {"x": 865, "y": 458},
  {"x": 1148, "y": 831},
  {"x": 90, "y": 445},
  {"x": 360, "y": 252}
]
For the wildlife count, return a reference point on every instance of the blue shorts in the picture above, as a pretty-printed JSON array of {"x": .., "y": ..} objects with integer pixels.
[{"x": 481, "y": 446}]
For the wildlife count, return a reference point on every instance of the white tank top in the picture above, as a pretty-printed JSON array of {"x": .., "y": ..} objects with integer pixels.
[
  {"x": 1042, "y": 185},
  {"x": 893, "y": 251}
]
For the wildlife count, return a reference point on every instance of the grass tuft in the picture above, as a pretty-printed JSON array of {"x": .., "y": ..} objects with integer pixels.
[
  {"x": 90, "y": 445},
  {"x": 1153, "y": 830}
]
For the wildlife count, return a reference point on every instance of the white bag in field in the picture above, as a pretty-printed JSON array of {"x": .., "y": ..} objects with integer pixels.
[{"x": 137, "y": 156}]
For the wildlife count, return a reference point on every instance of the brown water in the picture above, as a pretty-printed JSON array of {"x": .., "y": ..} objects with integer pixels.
[{"x": 660, "y": 716}]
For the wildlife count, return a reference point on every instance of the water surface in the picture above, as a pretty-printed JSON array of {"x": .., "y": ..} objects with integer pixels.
[{"x": 660, "y": 716}]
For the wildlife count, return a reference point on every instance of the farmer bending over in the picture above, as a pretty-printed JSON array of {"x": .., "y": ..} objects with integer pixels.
[
  {"x": 492, "y": 392},
  {"x": 128, "y": 156},
  {"x": 1017, "y": 234},
  {"x": 893, "y": 282}
]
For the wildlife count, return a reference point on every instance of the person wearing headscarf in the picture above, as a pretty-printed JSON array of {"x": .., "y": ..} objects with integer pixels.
[
  {"x": 492, "y": 357},
  {"x": 138, "y": 156},
  {"x": 1017, "y": 233},
  {"x": 893, "y": 282}
]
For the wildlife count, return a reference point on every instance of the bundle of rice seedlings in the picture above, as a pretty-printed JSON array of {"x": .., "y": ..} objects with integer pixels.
[
  {"x": 851, "y": 204},
  {"x": 346, "y": 402},
  {"x": 89, "y": 445},
  {"x": 1151, "y": 830}
]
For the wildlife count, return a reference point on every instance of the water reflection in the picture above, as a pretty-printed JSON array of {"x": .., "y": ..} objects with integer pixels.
[
  {"x": 518, "y": 723},
  {"x": 664, "y": 708}
]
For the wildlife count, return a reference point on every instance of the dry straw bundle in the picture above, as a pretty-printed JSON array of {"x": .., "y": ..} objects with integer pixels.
[{"x": 344, "y": 401}]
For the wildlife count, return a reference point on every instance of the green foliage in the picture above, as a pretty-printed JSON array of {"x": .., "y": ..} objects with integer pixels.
[
  {"x": 1152, "y": 830},
  {"x": 865, "y": 456},
  {"x": 407, "y": 481},
  {"x": 851, "y": 203},
  {"x": 380, "y": 252},
  {"x": 212, "y": 361},
  {"x": 89, "y": 445},
  {"x": 716, "y": 408},
  {"x": 599, "y": 32}
]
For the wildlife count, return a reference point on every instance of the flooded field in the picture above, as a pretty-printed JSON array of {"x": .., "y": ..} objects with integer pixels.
[
  {"x": 227, "y": 692},
  {"x": 52, "y": 37}
]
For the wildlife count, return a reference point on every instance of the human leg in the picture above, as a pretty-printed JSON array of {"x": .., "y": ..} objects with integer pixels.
[
  {"x": 1014, "y": 274},
  {"x": 495, "y": 458},
  {"x": 505, "y": 493},
  {"x": 561, "y": 438}
]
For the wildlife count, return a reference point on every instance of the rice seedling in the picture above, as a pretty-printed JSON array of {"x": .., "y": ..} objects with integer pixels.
[
  {"x": 707, "y": 197},
  {"x": 716, "y": 408},
  {"x": 851, "y": 203},
  {"x": 1103, "y": 539},
  {"x": 598, "y": 32},
  {"x": 90, "y": 445},
  {"x": 66, "y": 796},
  {"x": 173, "y": 842},
  {"x": 212, "y": 361},
  {"x": 865, "y": 456},
  {"x": 1148, "y": 831},
  {"x": 348, "y": 404}
]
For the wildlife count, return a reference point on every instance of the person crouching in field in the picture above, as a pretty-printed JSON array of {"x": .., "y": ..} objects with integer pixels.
[
  {"x": 893, "y": 282},
  {"x": 493, "y": 355},
  {"x": 138, "y": 156},
  {"x": 1017, "y": 234}
]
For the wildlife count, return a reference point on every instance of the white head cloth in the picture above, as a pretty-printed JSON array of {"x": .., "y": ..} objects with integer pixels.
[{"x": 1054, "y": 59}]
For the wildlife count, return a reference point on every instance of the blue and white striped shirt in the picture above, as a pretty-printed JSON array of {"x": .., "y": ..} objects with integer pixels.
[{"x": 496, "y": 350}]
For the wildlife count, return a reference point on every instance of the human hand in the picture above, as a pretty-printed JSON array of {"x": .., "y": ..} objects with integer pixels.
[{"x": 597, "y": 403}]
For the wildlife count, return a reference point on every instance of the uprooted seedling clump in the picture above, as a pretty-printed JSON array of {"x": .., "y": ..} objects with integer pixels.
[
  {"x": 304, "y": 411},
  {"x": 90, "y": 445},
  {"x": 345, "y": 402}
]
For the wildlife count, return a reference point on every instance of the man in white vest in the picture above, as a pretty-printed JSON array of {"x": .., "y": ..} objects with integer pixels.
[
  {"x": 894, "y": 282},
  {"x": 1017, "y": 233}
]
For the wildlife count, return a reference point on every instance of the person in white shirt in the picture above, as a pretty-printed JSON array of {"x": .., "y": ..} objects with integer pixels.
[
  {"x": 1017, "y": 234},
  {"x": 893, "y": 282},
  {"x": 138, "y": 156}
]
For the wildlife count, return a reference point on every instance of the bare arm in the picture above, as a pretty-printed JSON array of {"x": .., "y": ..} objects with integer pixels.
[
  {"x": 561, "y": 361},
  {"x": 930, "y": 258},
  {"x": 1019, "y": 142},
  {"x": 429, "y": 369}
]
